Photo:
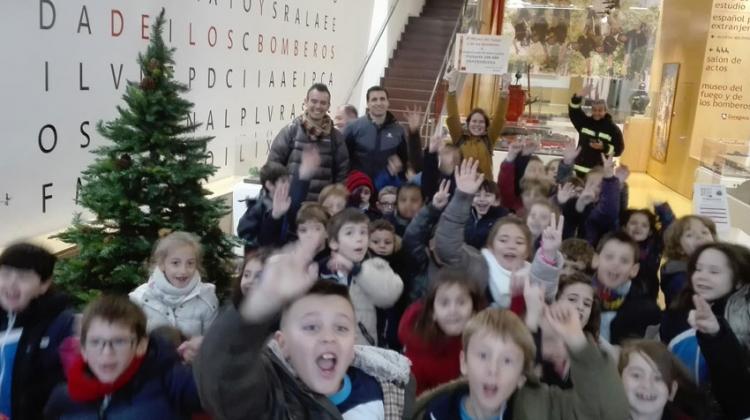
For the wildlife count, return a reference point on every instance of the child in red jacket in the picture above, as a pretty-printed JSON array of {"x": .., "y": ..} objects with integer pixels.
[{"x": 431, "y": 329}]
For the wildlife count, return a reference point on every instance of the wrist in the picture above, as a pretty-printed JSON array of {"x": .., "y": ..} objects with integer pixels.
[
  {"x": 576, "y": 341},
  {"x": 549, "y": 256}
]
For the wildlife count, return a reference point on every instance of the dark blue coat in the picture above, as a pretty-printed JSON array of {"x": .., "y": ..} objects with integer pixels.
[
  {"x": 478, "y": 228},
  {"x": 46, "y": 323},
  {"x": 249, "y": 226},
  {"x": 163, "y": 389},
  {"x": 371, "y": 145}
]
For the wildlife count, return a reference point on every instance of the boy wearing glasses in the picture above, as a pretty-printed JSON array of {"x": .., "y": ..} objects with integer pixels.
[
  {"x": 121, "y": 372},
  {"x": 34, "y": 321}
]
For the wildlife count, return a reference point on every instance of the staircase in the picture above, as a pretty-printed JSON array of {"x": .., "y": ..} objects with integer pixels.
[{"x": 411, "y": 73}]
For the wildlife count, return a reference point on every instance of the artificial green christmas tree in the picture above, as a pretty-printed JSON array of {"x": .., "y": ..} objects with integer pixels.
[{"x": 146, "y": 181}]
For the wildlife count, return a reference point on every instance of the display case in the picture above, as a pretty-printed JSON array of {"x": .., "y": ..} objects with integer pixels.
[{"x": 726, "y": 162}]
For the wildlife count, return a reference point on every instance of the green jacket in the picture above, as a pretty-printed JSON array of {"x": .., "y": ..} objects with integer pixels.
[{"x": 598, "y": 394}]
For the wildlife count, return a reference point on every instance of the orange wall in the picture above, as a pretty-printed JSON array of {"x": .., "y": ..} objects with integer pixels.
[{"x": 682, "y": 39}]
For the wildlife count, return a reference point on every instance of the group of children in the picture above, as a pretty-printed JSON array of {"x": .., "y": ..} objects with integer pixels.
[{"x": 454, "y": 297}]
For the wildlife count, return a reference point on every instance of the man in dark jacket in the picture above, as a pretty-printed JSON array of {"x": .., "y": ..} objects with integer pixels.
[
  {"x": 377, "y": 135},
  {"x": 314, "y": 128},
  {"x": 597, "y": 134},
  {"x": 34, "y": 322}
]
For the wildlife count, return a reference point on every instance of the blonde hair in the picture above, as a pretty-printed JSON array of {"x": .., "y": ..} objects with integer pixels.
[
  {"x": 333, "y": 190},
  {"x": 672, "y": 236},
  {"x": 503, "y": 323},
  {"x": 174, "y": 240}
]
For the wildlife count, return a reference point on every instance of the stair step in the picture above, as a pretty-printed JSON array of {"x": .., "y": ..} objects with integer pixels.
[
  {"x": 423, "y": 74},
  {"x": 407, "y": 83},
  {"x": 410, "y": 62},
  {"x": 434, "y": 46},
  {"x": 397, "y": 103},
  {"x": 410, "y": 94},
  {"x": 418, "y": 54}
]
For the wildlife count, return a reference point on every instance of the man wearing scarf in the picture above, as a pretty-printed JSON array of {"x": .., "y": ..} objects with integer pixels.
[{"x": 314, "y": 128}]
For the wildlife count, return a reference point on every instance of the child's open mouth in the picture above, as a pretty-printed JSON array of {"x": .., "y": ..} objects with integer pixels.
[
  {"x": 489, "y": 391},
  {"x": 327, "y": 364},
  {"x": 644, "y": 396}
]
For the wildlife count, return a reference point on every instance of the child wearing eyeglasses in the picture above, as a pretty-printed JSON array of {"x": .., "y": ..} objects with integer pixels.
[{"x": 121, "y": 372}]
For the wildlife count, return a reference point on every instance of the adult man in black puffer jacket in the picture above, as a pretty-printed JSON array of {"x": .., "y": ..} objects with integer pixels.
[
  {"x": 597, "y": 134},
  {"x": 314, "y": 128}
]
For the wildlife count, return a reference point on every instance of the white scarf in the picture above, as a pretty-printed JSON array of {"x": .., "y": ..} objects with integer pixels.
[
  {"x": 499, "y": 280},
  {"x": 170, "y": 295}
]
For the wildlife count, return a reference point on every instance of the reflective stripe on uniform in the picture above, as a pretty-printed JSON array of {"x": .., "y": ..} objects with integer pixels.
[
  {"x": 605, "y": 136},
  {"x": 574, "y": 106},
  {"x": 588, "y": 132},
  {"x": 580, "y": 168}
]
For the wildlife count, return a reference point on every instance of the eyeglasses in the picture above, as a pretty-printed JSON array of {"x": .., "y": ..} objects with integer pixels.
[
  {"x": 386, "y": 204},
  {"x": 116, "y": 344}
]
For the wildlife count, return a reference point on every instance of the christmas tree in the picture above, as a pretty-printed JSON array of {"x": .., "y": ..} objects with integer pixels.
[{"x": 145, "y": 182}]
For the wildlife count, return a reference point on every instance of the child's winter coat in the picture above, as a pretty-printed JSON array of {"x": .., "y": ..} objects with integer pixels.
[
  {"x": 240, "y": 377},
  {"x": 432, "y": 364},
  {"x": 190, "y": 309},
  {"x": 160, "y": 387}
]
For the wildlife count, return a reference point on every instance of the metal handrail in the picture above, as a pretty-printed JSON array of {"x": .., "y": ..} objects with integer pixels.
[
  {"x": 444, "y": 65},
  {"x": 371, "y": 51}
]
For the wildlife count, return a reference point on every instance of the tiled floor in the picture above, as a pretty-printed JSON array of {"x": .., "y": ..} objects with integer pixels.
[{"x": 644, "y": 190}]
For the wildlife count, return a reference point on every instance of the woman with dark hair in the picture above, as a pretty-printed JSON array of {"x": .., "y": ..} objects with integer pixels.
[{"x": 478, "y": 140}]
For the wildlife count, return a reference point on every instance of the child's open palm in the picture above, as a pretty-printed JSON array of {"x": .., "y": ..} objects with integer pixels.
[
  {"x": 565, "y": 193},
  {"x": 552, "y": 237},
  {"x": 564, "y": 319},
  {"x": 570, "y": 152},
  {"x": 281, "y": 200},
  {"x": 468, "y": 180}
]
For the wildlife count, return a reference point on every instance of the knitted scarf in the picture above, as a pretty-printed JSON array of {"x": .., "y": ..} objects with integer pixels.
[
  {"x": 166, "y": 292},
  {"x": 612, "y": 299},
  {"x": 85, "y": 387},
  {"x": 316, "y": 130}
]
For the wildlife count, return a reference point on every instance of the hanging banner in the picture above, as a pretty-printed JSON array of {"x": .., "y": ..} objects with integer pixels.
[{"x": 482, "y": 54}]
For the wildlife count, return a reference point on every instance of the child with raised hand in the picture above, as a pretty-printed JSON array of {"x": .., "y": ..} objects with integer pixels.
[
  {"x": 726, "y": 358},
  {"x": 627, "y": 311},
  {"x": 681, "y": 239},
  {"x": 657, "y": 384},
  {"x": 372, "y": 282},
  {"x": 539, "y": 216},
  {"x": 717, "y": 273},
  {"x": 440, "y": 159},
  {"x": 481, "y": 134},
  {"x": 497, "y": 361},
  {"x": 272, "y": 174},
  {"x": 508, "y": 245},
  {"x": 36, "y": 321},
  {"x": 175, "y": 294},
  {"x": 647, "y": 229},
  {"x": 485, "y": 211},
  {"x": 121, "y": 372},
  {"x": 517, "y": 193},
  {"x": 311, "y": 367},
  {"x": 409, "y": 201},
  {"x": 431, "y": 328},
  {"x": 594, "y": 212}
]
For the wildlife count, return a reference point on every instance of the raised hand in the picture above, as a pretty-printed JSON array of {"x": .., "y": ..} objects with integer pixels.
[
  {"x": 552, "y": 237},
  {"x": 622, "y": 173},
  {"x": 468, "y": 180},
  {"x": 608, "y": 162},
  {"x": 286, "y": 275},
  {"x": 571, "y": 152},
  {"x": 436, "y": 140},
  {"x": 414, "y": 118},
  {"x": 442, "y": 196},
  {"x": 310, "y": 162},
  {"x": 281, "y": 200},
  {"x": 565, "y": 193},
  {"x": 514, "y": 149},
  {"x": 533, "y": 296},
  {"x": 584, "y": 92},
  {"x": 530, "y": 145},
  {"x": 395, "y": 166},
  {"x": 702, "y": 317},
  {"x": 339, "y": 263},
  {"x": 564, "y": 319},
  {"x": 452, "y": 78}
]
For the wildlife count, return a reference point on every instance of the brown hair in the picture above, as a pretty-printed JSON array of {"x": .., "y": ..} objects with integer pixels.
[
  {"x": 650, "y": 216},
  {"x": 261, "y": 254},
  {"x": 481, "y": 112},
  {"x": 425, "y": 325},
  {"x": 177, "y": 239},
  {"x": 333, "y": 190},
  {"x": 554, "y": 209},
  {"x": 689, "y": 398},
  {"x": 323, "y": 288},
  {"x": 622, "y": 237},
  {"x": 489, "y": 186},
  {"x": 114, "y": 310},
  {"x": 312, "y": 212},
  {"x": 529, "y": 185},
  {"x": 578, "y": 249},
  {"x": 348, "y": 215},
  {"x": 596, "y": 170},
  {"x": 506, "y": 324},
  {"x": 382, "y": 224},
  {"x": 593, "y": 324},
  {"x": 672, "y": 247},
  {"x": 511, "y": 220},
  {"x": 738, "y": 258}
]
